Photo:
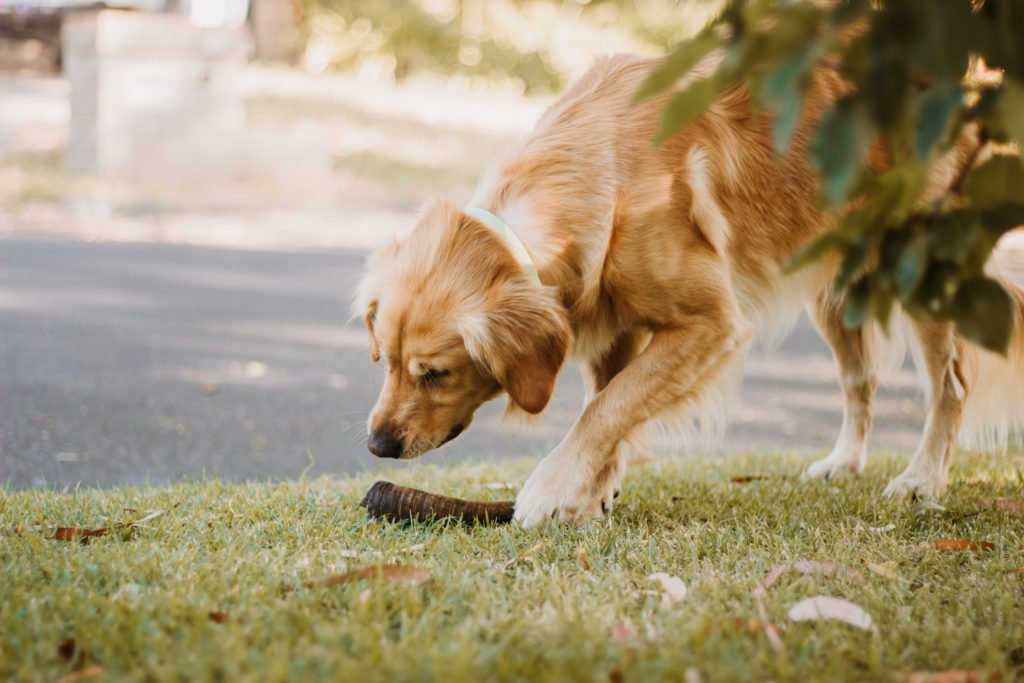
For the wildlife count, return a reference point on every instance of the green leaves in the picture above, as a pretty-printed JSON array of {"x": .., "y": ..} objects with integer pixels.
[
  {"x": 936, "y": 105},
  {"x": 999, "y": 180},
  {"x": 896, "y": 152},
  {"x": 783, "y": 90},
  {"x": 983, "y": 312},
  {"x": 838, "y": 148},
  {"x": 813, "y": 250},
  {"x": 685, "y": 106},
  {"x": 1012, "y": 108},
  {"x": 678, "y": 63},
  {"x": 912, "y": 265}
]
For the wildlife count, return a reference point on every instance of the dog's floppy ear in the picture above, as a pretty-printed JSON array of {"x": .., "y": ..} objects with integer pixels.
[
  {"x": 364, "y": 306},
  {"x": 521, "y": 336},
  {"x": 368, "y": 318}
]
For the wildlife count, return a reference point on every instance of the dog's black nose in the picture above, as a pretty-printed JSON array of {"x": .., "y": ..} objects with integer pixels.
[{"x": 384, "y": 445}]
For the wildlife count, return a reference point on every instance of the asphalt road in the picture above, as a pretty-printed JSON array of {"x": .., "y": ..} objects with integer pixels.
[{"x": 135, "y": 363}]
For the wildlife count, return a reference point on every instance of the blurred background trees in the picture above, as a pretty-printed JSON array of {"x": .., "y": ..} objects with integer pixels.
[{"x": 538, "y": 45}]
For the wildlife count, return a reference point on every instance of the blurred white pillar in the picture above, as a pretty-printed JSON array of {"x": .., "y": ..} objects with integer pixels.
[{"x": 152, "y": 96}]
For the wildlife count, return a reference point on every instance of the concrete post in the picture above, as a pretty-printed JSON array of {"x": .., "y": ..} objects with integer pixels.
[{"x": 153, "y": 97}]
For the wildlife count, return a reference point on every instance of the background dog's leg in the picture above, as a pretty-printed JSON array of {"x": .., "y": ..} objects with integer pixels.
[
  {"x": 928, "y": 472},
  {"x": 855, "y": 353}
]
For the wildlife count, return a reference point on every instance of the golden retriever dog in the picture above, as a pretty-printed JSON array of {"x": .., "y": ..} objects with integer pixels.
[{"x": 653, "y": 266}]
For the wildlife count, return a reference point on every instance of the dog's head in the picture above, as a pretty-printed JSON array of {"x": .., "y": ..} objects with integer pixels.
[{"x": 457, "y": 322}]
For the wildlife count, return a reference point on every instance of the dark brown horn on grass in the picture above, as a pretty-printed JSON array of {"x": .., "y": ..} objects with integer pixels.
[{"x": 399, "y": 503}]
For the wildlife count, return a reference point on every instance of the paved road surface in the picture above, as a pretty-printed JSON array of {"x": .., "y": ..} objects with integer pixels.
[{"x": 151, "y": 362}]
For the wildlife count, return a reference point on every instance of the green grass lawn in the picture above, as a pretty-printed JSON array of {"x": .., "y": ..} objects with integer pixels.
[{"x": 575, "y": 605}]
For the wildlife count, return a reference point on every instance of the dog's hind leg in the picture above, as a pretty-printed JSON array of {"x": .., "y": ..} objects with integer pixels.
[
  {"x": 855, "y": 353},
  {"x": 928, "y": 472}
]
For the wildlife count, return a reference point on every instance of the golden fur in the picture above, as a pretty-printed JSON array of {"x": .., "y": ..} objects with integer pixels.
[{"x": 658, "y": 264}]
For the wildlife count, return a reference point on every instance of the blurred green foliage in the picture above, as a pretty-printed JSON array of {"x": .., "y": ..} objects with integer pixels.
[
  {"x": 540, "y": 45},
  {"x": 917, "y": 89}
]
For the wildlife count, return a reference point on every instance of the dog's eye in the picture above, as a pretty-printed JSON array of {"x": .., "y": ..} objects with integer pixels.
[{"x": 434, "y": 374}]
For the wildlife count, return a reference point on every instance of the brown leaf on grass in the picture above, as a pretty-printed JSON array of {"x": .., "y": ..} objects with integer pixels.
[
  {"x": 951, "y": 676},
  {"x": 86, "y": 674},
  {"x": 621, "y": 633},
  {"x": 749, "y": 478},
  {"x": 66, "y": 648},
  {"x": 583, "y": 557},
  {"x": 770, "y": 632},
  {"x": 68, "y": 534},
  {"x": 524, "y": 555},
  {"x": 1005, "y": 504},
  {"x": 219, "y": 617},
  {"x": 754, "y": 626},
  {"x": 392, "y": 573},
  {"x": 827, "y": 607},
  {"x": 960, "y": 545},
  {"x": 806, "y": 567}
]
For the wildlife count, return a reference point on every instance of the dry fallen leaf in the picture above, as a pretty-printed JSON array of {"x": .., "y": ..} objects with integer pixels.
[
  {"x": 583, "y": 557},
  {"x": 66, "y": 648},
  {"x": 826, "y": 607},
  {"x": 66, "y": 533},
  {"x": 86, "y": 674},
  {"x": 806, "y": 567},
  {"x": 525, "y": 555},
  {"x": 219, "y": 617},
  {"x": 496, "y": 486},
  {"x": 770, "y": 632},
  {"x": 952, "y": 676},
  {"x": 675, "y": 589},
  {"x": 621, "y": 633},
  {"x": 749, "y": 478},
  {"x": 753, "y": 626},
  {"x": 1006, "y": 504},
  {"x": 960, "y": 545},
  {"x": 393, "y": 573},
  {"x": 886, "y": 569}
]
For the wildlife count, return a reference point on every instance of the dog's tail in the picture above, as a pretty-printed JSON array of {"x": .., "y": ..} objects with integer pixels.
[{"x": 995, "y": 401}]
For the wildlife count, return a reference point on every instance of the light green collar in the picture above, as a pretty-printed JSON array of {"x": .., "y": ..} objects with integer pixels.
[{"x": 515, "y": 245}]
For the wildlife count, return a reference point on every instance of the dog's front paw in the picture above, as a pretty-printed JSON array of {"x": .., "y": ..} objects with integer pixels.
[{"x": 562, "y": 490}]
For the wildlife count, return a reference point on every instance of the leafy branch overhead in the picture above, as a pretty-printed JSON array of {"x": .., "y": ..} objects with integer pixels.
[{"x": 928, "y": 81}]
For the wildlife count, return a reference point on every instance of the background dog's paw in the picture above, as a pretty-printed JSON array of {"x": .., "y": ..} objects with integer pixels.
[
  {"x": 833, "y": 467},
  {"x": 843, "y": 461},
  {"x": 916, "y": 486}
]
